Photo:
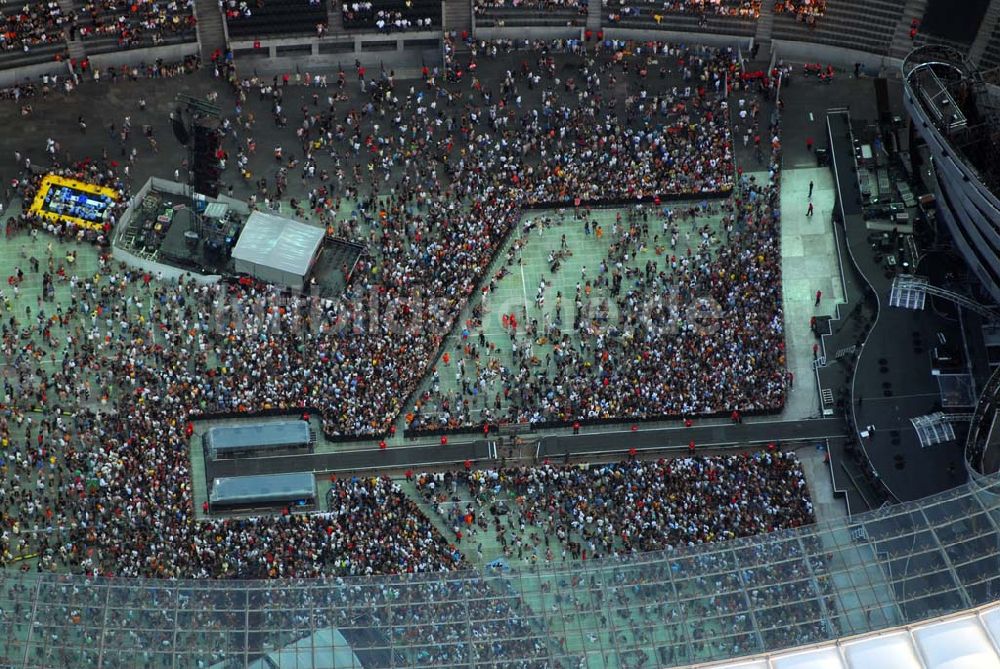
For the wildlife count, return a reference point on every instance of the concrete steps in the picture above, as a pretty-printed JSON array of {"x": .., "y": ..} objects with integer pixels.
[
  {"x": 901, "y": 42},
  {"x": 76, "y": 49},
  {"x": 866, "y": 25},
  {"x": 66, "y": 6},
  {"x": 211, "y": 31},
  {"x": 334, "y": 18},
  {"x": 594, "y": 8},
  {"x": 456, "y": 16},
  {"x": 765, "y": 27}
]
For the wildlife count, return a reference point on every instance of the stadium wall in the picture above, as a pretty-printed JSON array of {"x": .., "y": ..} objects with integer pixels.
[
  {"x": 169, "y": 53},
  {"x": 807, "y": 52},
  {"x": 19, "y": 74},
  {"x": 968, "y": 207}
]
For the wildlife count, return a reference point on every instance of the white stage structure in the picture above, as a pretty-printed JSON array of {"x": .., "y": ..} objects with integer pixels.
[{"x": 277, "y": 250}]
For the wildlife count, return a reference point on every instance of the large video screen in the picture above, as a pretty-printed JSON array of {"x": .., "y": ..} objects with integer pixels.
[{"x": 85, "y": 205}]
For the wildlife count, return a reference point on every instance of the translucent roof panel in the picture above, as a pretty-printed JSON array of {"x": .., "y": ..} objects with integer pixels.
[
  {"x": 816, "y": 658},
  {"x": 956, "y": 644},
  {"x": 263, "y": 488},
  {"x": 224, "y": 438},
  {"x": 914, "y": 583},
  {"x": 962, "y": 641},
  {"x": 884, "y": 650}
]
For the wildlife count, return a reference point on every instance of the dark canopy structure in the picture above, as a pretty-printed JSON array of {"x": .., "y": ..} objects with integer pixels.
[{"x": 264, "y": 490}]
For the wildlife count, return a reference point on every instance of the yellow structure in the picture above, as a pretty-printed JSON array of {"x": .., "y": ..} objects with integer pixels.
[{"x": 67, "y": 200}]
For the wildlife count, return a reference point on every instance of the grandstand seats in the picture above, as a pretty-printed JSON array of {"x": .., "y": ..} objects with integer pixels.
[
  {"x": 991, "y": 57},
  {"x": 392, "y": 15},
  {"x": 515, "y": 14},
  {"x": 865, "y": 25},
  {"x": 259, "y": 18},
  {"x": 731, "y": 18},
  {"x": 109, "y": 25},
  {"x": 32, "y": 33},
  {"x": 802, "y": 10}
]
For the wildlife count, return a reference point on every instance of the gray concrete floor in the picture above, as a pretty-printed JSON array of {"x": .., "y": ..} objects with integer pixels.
[{"x": 809, "y": 264}]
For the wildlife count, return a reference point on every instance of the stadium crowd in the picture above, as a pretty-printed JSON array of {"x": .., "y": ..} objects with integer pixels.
[
  {"x": 658, "y": 10},
  {"x": 802, "y": 10},
  {"x": 607, "y": 510},
  {"x": 32, "y": 24},
  {"x": 134, "y": 23},
  {"x": 600, "y": 358},
  {"x": 548, "y": 516},
  {"x": 483, "y": 6},
  {"x": 104, "y": 367}
]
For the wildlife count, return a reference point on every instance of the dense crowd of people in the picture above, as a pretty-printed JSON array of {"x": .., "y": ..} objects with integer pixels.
[
  {"x": 658, "y": 10},
  {"x": 106, "y": 366},
  {"x": 605, "y": 356},
  {"x": 134, "y": 23},
  {"x": 360, "y": 508},
  {"x": 32, "y": 24},
  {"x": 619, "y": 508},
  {"x": 104, "y": 369},
  {"x": 176, "y": 344},
  {"x": 548, "y": 516}
]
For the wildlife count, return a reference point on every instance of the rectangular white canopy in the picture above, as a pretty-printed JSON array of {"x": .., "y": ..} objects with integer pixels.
[{"x": 276, "y": 249}]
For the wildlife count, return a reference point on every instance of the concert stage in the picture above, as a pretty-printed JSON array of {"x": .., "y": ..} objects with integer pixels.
[
  {"x": 171, "y": 230},
  {"x": 885, "y": 364}
]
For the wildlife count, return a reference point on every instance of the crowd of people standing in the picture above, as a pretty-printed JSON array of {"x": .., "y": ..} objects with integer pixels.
[{"x": 107, "y": 366}]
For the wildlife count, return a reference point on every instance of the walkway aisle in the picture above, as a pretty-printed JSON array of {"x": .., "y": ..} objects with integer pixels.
[{"x": 809, "y": 264}]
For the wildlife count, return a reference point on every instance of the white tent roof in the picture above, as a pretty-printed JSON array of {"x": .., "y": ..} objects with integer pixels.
[
  {"x": 281, "y": 243},
  {"x": 968, "y": 640}
]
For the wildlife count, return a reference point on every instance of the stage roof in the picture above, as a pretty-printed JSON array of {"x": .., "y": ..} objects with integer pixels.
[
  {"x": 263, "y": 488},
  {"x": 283, "y": 244},
  {"x": 226, "y": 438},
  {"x": 967, "y": 641}
]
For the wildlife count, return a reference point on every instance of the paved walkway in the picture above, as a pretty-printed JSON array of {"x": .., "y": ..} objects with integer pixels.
[
  {"x": 809, "y": 264},
  {"x": 608, "y": 443}
]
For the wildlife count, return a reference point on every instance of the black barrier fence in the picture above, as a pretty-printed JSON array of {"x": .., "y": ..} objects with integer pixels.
[
  {"x": 494, "y": 428},
  {"x": 612, "y": 203},
  {"x": 583, "y": 422}
]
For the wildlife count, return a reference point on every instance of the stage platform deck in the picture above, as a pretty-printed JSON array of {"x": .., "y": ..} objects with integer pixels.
[{"x": 891, "y": 347}]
